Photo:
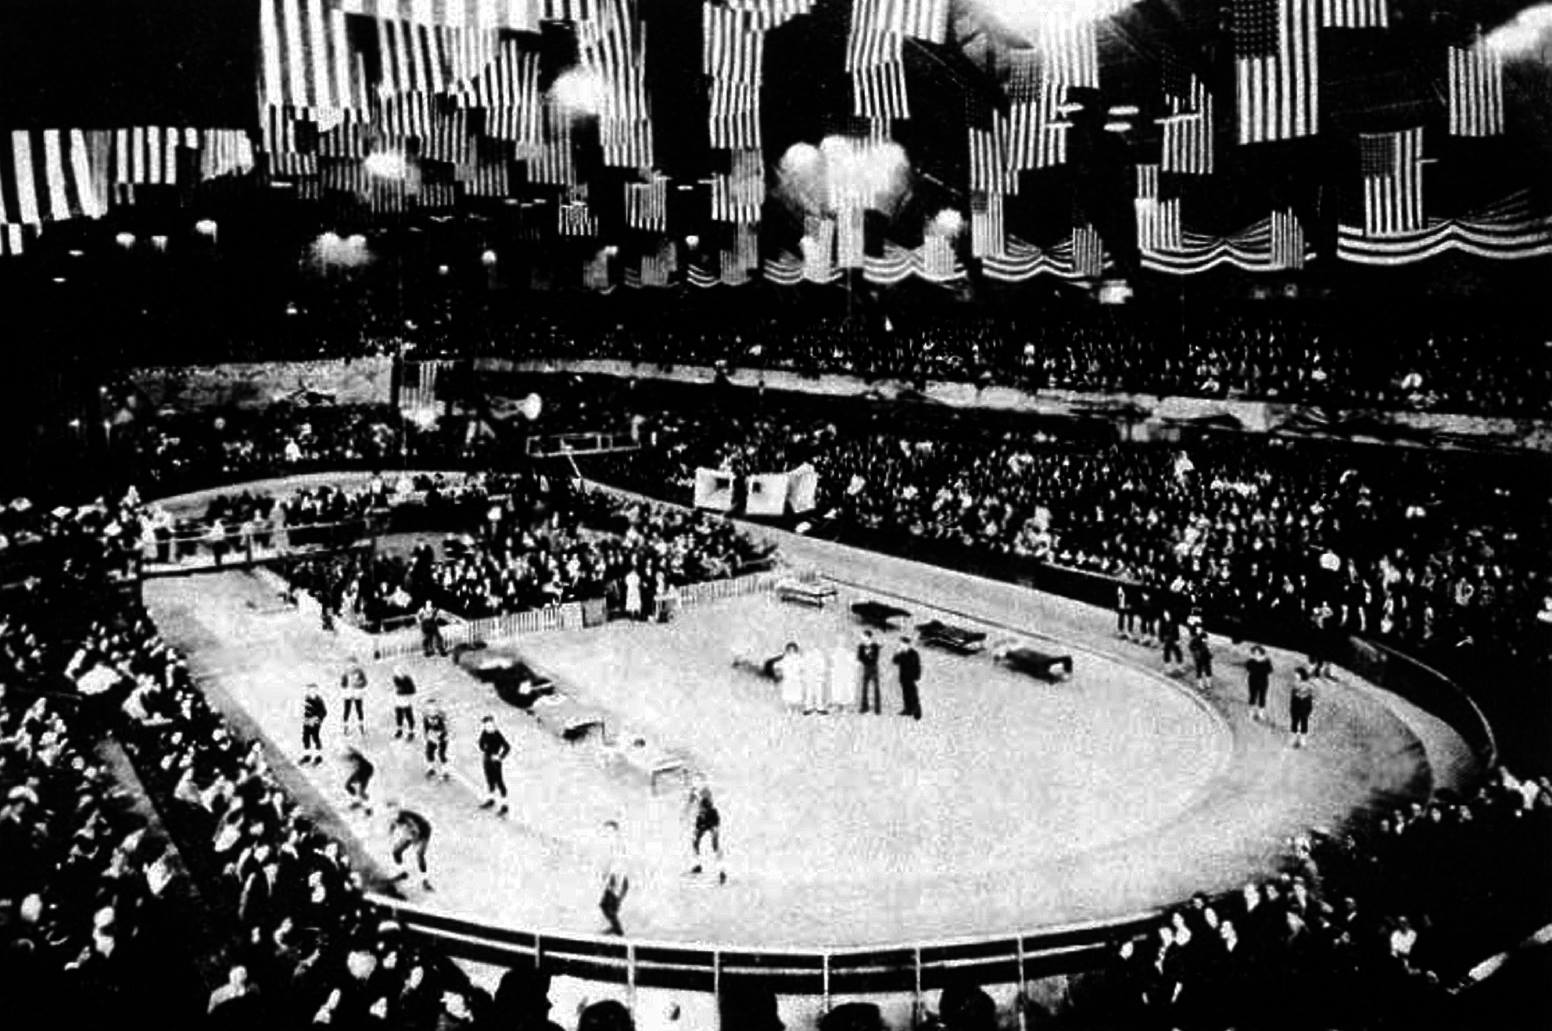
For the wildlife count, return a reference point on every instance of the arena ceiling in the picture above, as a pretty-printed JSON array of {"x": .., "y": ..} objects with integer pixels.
[{"x": 110, "y": 63}]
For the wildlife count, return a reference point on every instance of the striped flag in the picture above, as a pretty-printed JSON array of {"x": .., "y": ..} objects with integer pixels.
[
  {"x": 46, "y": 176},
  {"x": 491, "y": 177},
  {"x": 575, "y": 218},
  {"x": 1476, "y": 91},
  {"x": 1158, "y": 220},
  {"x": 149, "y": 155},
  {"x": 989, "y": 165},
  {"x": 1354, "y": 14},
  {"x": 743, "y": 257},
  {"x": 732, "y": 44},
  {"x": 1392, "y": 182},
  {"x": 1068, "y": 51},
  {"x": 878, "y": 92},
  {"x": 1188, "y": 131},
  {"x": 304, "y": 56},
  {"x": 1288, "y": 248},
  {"x": 447, "y": 138},
  {"x": 1088, "y": 252},
  {"x": 738, "y": 195},
  {"x": 1038, "y": 131},
  {"x": 1276, "y": 69},
  {"x": 13, "y": 240},
  {"x": 487, "y": 15},
  {"x": 414, "y": 58},
  {"x": 555, "y": 162},
  {"x": 646, "y": 205},
  {"x": 346, "y": 176},
  {"x": 569, "y": 10},
  {"x": 225, "y": 152},
  {"x": 988, "y": 234}
]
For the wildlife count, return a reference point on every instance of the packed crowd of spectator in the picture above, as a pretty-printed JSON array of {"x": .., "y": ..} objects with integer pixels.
[
  {"x": 1405, "y": 546},
  {"x": 1497, "y": 370},
  {"x": 524, "y": 552},
  {"x": 1359, "y": 932}
]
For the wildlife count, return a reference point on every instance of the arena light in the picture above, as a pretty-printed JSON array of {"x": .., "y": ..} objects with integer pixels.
[
  {"x": 692, "y": 241},
  {"x": 442, "y": 270},
  {"x": 76, "y": 253},
  {"x": 488, "y": 258},
  {"x": 385, "y": 165},
  {"x": 611, "y": 250},
  {"x": 578, "y": 92},
  {"x": 1118, "y": 126},
  {"x": 159, "y": 242},
  {"x": 125, "y": 240},
  {"x": 1124, "y": 110},
  {"x": 1033, "y": 18},
  {"x": 205, "y": 227}
]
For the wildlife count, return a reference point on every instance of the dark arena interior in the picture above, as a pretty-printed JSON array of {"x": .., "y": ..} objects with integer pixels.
[{"x": 727, "y": 515}]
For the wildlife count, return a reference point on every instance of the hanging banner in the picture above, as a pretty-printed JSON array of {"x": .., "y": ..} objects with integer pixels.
[
  {"x": 803, "y": 488},
  {"x": 767, "y": 494},
  {"x": 714, "y": 489}
]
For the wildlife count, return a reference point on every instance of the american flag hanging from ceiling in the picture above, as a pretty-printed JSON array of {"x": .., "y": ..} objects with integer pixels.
[{"x": 1276, "y": 69}]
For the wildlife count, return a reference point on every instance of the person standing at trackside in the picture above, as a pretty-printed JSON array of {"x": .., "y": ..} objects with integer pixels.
[
  {"x": 433, "y": 724},
  {"x": 1301, "y": 703},
  {"x": 1258, "y": 672},
  {"x": 353, "y": 686},
  {"x": 867, "y": 657},
  {"x": 615, "y": 877},
  {"x": 314, "y": 712},
  {"x": 494, "y": 750},
  {"x": 702, "y": 809},
  {"x": 908, "y": 661},
  {"x": 430, "y": 620},
  {"x": 1147, "y": 605},
  {"x": 403, "y": 705},
  {"x": 1324, "y": 620},
  {"x": 359, "y": 779},
  {"x": 1169, "y": 636},
  {"x": 1201, "y": 655},
  {"x": 409, "y": 832},
  {"x": 1124, "y": 612}
]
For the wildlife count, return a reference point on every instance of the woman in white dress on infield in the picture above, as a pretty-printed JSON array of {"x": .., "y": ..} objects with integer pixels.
[{"x": 844, "y": 671}]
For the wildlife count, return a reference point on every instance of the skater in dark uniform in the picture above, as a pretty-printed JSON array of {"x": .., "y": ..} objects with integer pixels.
[
  {"x": 1169, "y": 634},
  {"x": 433, "y": 723},
  {"x": 403, "y": 704},
  {"x": 615, "y": 877},
  {"x": 359, "y": 780},
  {"x": 411, "y": 834},
  {"x": 314, "y": 712},
  {"x": 494, "y": 750},
  {"x": 1201, "y": 656},
  {"x": 1258, "y": 671},
  {"x": 353, "y": 686},
  {"x": 1125, "y": 614},
  {"x": 702, "y": 809},
  {"x": 1301, "y": 703}
]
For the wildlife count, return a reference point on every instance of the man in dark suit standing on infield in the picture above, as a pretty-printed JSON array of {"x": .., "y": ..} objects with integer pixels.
[
  {"x": 908, "y": 661},
  {"x": 867, "y": 657}
]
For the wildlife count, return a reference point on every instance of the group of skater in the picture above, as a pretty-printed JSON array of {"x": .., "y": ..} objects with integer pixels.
[
  {"x": 846, "y": 678},
  {"x": 410, "y": 831},
  {"x": 1139, "y": 619}
]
